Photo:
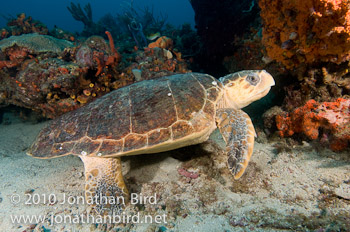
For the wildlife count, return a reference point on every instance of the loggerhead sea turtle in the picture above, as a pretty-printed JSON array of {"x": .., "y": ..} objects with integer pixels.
[{"x": 154, "y": 116}]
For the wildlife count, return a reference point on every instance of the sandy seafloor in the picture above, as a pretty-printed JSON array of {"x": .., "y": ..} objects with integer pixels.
[{"x": 285, "y": 188}]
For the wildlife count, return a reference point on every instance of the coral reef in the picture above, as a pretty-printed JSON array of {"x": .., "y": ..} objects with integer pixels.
[
  {"x": 30, "y": 69},
  {"x": 250, "y": 53},
  {"x": 17, "y": 49},
  {"x": 306, "y": 93},
  {"x": 156, "y": 62},
  {"x": 52, "y": 77},
  {"x": 326, "y": 83},
  {"x": 23, "y": 25},
  {"x": 26, "y": 25},
  {"x": 105, "y": 61},
  {"x": 306, "y": 32},
  {"x": 332, "y": 119},
  {"x": 62, "y": 34},
  {"x": 305, "y": 97}
]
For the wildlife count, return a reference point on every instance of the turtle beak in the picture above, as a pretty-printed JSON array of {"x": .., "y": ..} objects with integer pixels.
[
  {"x": 266, "y": 83},
  {"x": 266, "y": 79}
]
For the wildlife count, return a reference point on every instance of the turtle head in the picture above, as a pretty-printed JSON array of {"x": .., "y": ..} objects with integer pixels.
[{"x": 244, "y": 87}]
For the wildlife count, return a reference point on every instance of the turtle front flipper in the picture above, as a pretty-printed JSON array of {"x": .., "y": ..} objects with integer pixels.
[
  {"x": 105, "y": 189},
  {"x": 238, "y": 132}
]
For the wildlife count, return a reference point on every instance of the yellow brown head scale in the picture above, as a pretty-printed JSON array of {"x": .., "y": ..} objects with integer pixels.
[{"x": 245, "y": 87}]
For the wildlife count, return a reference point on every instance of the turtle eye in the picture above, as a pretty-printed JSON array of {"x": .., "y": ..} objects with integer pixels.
[
  {"x": 253, "y": 79},
  {"x": 230, "y": 84}
]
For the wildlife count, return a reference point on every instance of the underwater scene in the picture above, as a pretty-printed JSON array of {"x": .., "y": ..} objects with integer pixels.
[{"x": 175, "y": 116}]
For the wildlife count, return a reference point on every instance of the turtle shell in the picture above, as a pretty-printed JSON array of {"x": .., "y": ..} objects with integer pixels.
[{"x": 146, "y": 117}]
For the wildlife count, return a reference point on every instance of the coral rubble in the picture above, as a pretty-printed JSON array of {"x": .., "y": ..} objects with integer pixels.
[{"x": 305, "y": 31}]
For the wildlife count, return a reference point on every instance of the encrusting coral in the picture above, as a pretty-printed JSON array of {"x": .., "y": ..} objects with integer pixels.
[
  {"x": 306, "y": 31},
  {"x": 332, "y": 118},
  {"x": 162, "y": 42}
]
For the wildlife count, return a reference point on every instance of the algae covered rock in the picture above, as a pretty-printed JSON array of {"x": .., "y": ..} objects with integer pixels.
[
  {"x": 45, "y": 74},
  {"x": 36, "y": 43},
  {"x": 32, "y": 74}
]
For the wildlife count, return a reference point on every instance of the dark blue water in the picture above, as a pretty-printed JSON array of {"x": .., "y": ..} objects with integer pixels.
[{"x": 55, "y": 12}]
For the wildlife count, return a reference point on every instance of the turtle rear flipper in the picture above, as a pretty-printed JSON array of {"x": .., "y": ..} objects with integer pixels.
[
  {"x": 238, "y": 132},
  {"x": 105, "y": 189}
]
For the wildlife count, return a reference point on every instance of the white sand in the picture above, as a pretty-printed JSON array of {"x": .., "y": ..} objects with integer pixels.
[{"x": 297, "y": 190}]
